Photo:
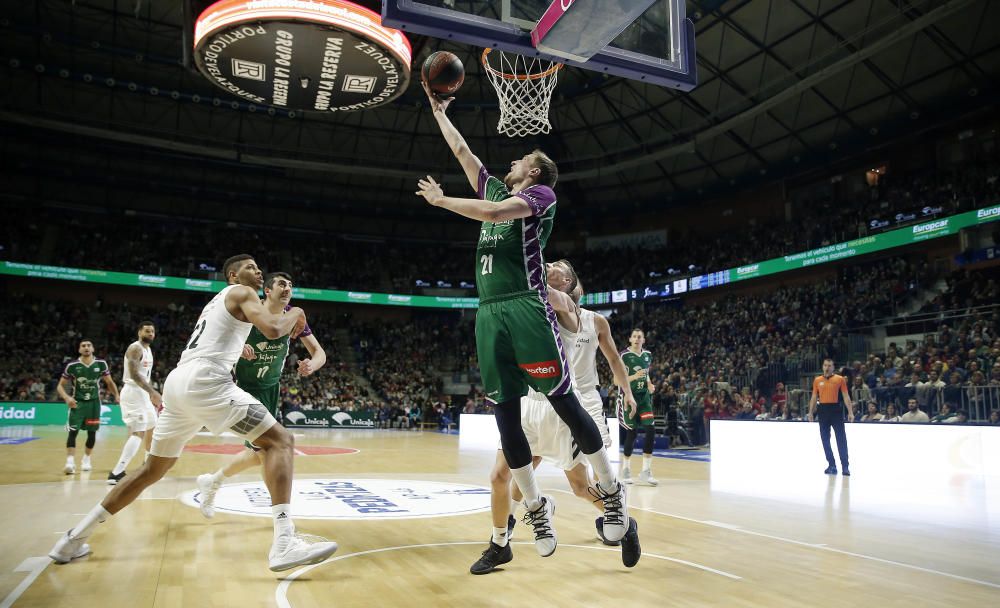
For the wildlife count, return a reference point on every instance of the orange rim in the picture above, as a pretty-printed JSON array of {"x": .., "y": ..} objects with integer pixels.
[{"x": 486, "y": 64}]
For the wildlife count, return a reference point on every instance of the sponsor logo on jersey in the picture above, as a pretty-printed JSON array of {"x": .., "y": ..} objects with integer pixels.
[
  {"x": 354, "y": 499},
  {"x": 543, "y": 369}
]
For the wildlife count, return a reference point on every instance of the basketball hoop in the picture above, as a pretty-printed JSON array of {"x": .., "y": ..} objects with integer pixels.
[{"x": 524, "y": 86}]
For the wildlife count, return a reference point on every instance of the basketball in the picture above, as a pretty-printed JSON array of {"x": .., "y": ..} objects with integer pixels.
[{"x": 443, "y": 72}]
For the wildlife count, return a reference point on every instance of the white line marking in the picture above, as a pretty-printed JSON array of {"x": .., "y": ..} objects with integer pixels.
[
  {"x": 822, "y": 547},
  {"x": 281, "y": 593},
  {"x": 33, "y": 566},
  {"x": 299, "y": 452}
]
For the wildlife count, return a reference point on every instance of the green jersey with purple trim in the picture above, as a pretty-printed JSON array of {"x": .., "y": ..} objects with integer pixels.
[
  {"x": 86, "y": 379},
  {"x": 509, "y": 254}
]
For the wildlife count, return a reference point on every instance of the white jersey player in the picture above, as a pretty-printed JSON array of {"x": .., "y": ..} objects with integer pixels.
[
  {"x": 139, "y": 399},
  {"x": 549, "y": 437},
  {"x": 201, "y": 392}
]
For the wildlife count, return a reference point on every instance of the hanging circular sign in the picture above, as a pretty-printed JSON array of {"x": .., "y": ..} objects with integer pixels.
[{"x": 322, "y": 55}]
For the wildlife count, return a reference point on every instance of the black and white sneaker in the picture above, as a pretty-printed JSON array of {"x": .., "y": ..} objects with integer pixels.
[
  {"x": 631, "y": 551},
  {"x": 511, "y": 520},
  {"x": 615, "y": 510},
  {"x": 114, "y": 479},
  {"x": 540, "y": 521},
  {"x": 493, "y": 556},
  {"x": 599, "y": 522}
]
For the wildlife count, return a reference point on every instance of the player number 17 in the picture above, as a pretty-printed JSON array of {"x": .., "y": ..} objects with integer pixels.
[{"x": 487, "y": 263}]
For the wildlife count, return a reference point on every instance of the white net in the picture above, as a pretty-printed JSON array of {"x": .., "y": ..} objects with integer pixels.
[{"x": 524, "y": 86}]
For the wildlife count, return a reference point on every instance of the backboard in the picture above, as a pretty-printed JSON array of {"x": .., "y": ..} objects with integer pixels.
[{"x": 657, "y": 47}]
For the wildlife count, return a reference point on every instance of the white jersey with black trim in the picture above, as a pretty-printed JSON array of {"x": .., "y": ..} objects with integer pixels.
[
  {"x": 145, "y": 365},
  {"x": 218, "y": 336},
  {"x": 584, "y": 352}
]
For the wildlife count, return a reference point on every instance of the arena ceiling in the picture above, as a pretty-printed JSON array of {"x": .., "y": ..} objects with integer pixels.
[{"x": 783, "y": 83}]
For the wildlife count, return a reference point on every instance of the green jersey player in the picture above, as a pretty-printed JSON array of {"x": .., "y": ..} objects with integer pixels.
[
  {"x": 637, "y": 361},
  {"x": 258, "y": 372},
  {"x": 85, "y": 374},
  {"x": 517, "y": 336}
]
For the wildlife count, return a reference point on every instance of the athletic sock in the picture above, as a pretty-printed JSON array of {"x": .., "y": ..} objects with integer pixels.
[
  {"x": 500, "y": 536},
  {"x": 85, "y": 528},
  {"x": 525, "y": 479},
  {"x": 602, "y": 467},
  {"x": 128, "y": 453},
  {"x": 647, "y": 462},
  {"x": 69, "y": 460},
  {"x": 283, "y": 526}
]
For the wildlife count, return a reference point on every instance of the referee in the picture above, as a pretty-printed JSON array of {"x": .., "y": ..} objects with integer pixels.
[{"x": 826, "y": 391}]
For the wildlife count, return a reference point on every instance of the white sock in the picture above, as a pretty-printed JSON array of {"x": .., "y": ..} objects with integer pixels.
[
  {"x": 69, "y": 460},
  {"x": 524, "y": 477},
  {"x": 500, "y": 536},
  {"x": 602, "y": 467},
  {"x": 84, "y": 529},
  {"x": 647, "y": 462},
  {"x": 86, "y": 458},
  {"x": 626, "y": 464},
  {"x": 128, "y": 453},
  {"x": 513, "y": 507},
  {"x": 283, "y": 525}
]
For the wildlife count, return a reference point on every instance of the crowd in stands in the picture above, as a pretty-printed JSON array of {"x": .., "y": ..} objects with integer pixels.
[{"x": 178, "y": 247}]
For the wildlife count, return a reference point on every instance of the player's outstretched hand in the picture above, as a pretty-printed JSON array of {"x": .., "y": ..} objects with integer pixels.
[
  {"x": 306, "y": 367},
  {"x": 437, "y": 103},
  {"x": 300, "y": 325},
  {"x": 248, "y": 353},
  {"x": 430, "y": 190}
]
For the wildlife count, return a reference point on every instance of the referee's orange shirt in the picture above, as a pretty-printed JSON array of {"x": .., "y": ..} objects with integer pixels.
[{"x": 829, "y": 389}]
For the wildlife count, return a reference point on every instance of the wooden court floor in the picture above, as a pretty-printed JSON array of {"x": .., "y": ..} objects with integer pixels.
[{"x": 700, "y": 547}]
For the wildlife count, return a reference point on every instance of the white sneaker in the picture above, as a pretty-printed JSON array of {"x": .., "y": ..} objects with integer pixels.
[
  {"x": 626, "y": 476},
  {"x": 299, "y": 550},
  {"x": 540, "y": 521},
  {"x": 207, "y": 487},
  {"x": 646, "y": 478},
  {"x": 67, "y": 549},
  {"x": 70, "y": 467},
  {"x": 615, "y": 510},
  {"x": 85, "y": 465}
]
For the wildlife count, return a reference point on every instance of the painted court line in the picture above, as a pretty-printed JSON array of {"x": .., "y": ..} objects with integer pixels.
[
  {"x": 34, "y": 567},
  {"x": 281, "y": 593},
  {"x": 822, "y": 547}
]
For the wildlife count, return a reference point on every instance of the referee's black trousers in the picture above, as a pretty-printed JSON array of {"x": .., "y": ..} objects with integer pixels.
[{"x": 832, "y": 415}]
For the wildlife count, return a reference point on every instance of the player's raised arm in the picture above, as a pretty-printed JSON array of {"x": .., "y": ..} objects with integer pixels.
[
  {"x": 271, "y": 325},
  {"x": 469, "y": 161},
  {"x": 610, "y": 352}
]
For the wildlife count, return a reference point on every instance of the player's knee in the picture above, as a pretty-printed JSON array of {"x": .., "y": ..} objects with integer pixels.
[
  {"x": 500, "y": 475},
  {"x": 276, "y": 438},
  {"x": 71, "y": 438},
  {"x": 91, "y": 439}
]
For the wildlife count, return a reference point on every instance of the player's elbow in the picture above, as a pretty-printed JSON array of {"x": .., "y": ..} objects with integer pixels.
[{"x": 493, "y": 214}]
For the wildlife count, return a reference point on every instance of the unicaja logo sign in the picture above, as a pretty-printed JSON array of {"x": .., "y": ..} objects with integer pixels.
[
  {"x": 13, "y": 413},
  {"x": 930, "y": 227}
]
